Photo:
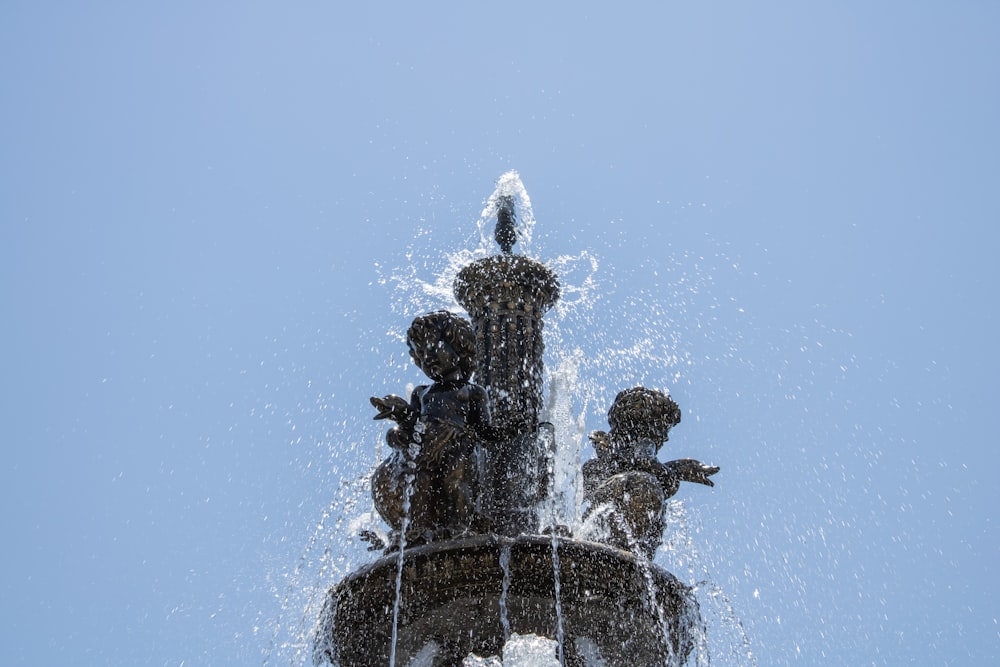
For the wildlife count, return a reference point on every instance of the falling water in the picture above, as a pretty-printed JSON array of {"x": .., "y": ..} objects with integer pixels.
[
  {"x": 528, "y": 651},
  {"x": 551, "y": 514},
  {"x": 504, "y": 589},
  {"x": 519, "y": 651},
  {"x": 588, "y": 359},
  {"x": 306, "y": 584},
  {"x": 682, "y": 552},
  {"x": 558, "y": 593},
  {"x": 740, "y": 650},
  {"x": 647, "y": 572},
  {"x": 414, "y": 450},
  {"x": 566, "y": 496}
]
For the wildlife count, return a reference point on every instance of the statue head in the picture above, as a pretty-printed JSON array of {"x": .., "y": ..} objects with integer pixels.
[
  {"x": 443, "y": 346},
  {"x": 642, "y": 414}
]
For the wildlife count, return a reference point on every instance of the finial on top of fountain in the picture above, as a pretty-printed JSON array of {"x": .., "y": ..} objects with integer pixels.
[{"x": 506, "y": 231}]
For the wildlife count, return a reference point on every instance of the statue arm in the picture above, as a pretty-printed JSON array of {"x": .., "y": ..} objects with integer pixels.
[
  {"x": 397, "y": 409},
  {"x": 690, "y": 470},
  {"x": 594, "y": 475},
  {"x": 479, "y": 416}
]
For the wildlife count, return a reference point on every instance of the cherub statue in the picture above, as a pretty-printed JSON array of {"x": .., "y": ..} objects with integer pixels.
[
  {"x": 431, "y": 478},
  {"x": 626, "y": 485}
]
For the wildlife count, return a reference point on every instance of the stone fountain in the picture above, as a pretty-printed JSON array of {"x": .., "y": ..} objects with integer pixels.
[{"x": 473, "y": 559}]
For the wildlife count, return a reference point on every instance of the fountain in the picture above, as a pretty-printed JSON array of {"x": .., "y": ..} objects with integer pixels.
[{"x": 477, "y": 565}]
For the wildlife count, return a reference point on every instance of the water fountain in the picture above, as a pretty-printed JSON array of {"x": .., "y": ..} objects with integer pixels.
[{"x": 477, "y": 563}]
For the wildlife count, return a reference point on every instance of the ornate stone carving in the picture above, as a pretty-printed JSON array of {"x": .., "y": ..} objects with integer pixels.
[{"x": 626, "y": 485}]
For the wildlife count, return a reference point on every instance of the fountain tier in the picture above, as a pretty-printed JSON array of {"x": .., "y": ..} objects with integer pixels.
[
  {"x": 463, "y": 488},
  {"x": 457, "y": 598}
]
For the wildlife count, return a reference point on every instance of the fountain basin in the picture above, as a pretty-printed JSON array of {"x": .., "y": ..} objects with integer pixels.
[{"x": 467, "y": 596}]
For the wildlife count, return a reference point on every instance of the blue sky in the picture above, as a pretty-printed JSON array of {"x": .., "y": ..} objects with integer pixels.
[{"x": 794, "y": 214}]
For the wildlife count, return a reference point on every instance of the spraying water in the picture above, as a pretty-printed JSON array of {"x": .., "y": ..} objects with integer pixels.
[
  {"x": 504, "y": 590},
  {"x": 585, "y": 365},
  {"x": 554, "y": 527},
  {"x": 399, "y": 561}
]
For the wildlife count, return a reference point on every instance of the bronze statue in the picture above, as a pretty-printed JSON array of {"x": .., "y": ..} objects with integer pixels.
[
  {"x": 626, "y": 485},
  {"x": 468, "y": 483},
  {"x": 431, "y": 479}
]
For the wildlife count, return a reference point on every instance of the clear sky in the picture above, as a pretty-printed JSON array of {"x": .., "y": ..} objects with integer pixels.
[{"x": 793, "y": 207}]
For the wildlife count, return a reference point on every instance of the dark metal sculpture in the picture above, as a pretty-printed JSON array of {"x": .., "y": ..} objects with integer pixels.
[
  {"x": 470, "y": 595},
  {"x": 506, "y": 296},
  {"x": 469, "y": 562},
  {"x": 506, "y": 230},
  {"x": 430, "y": 483},
  {"x": 626, "y": 485}
]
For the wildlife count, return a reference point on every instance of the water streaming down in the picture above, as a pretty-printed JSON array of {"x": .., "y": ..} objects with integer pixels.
[
  {"x": 326, "y": 555},
  {"x": 568, "y": 435},
  {"x": 566, "y": 404},
  {"x": 408, "y": 495},
  {"x": 560, "y": 634},
  {"x": 504, "y": 589},
  {"x": 681, "y": 550},
  {"x": 554, "y": 527},
  {"x": 519, "y": 651},
  {"x": 647, "y": 573},
  {"x": 529, "y": 651},
  {"x": 655, "y": 343}
]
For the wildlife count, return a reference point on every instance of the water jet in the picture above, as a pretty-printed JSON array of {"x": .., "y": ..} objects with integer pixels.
[{"x": 477, "y": 558}]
